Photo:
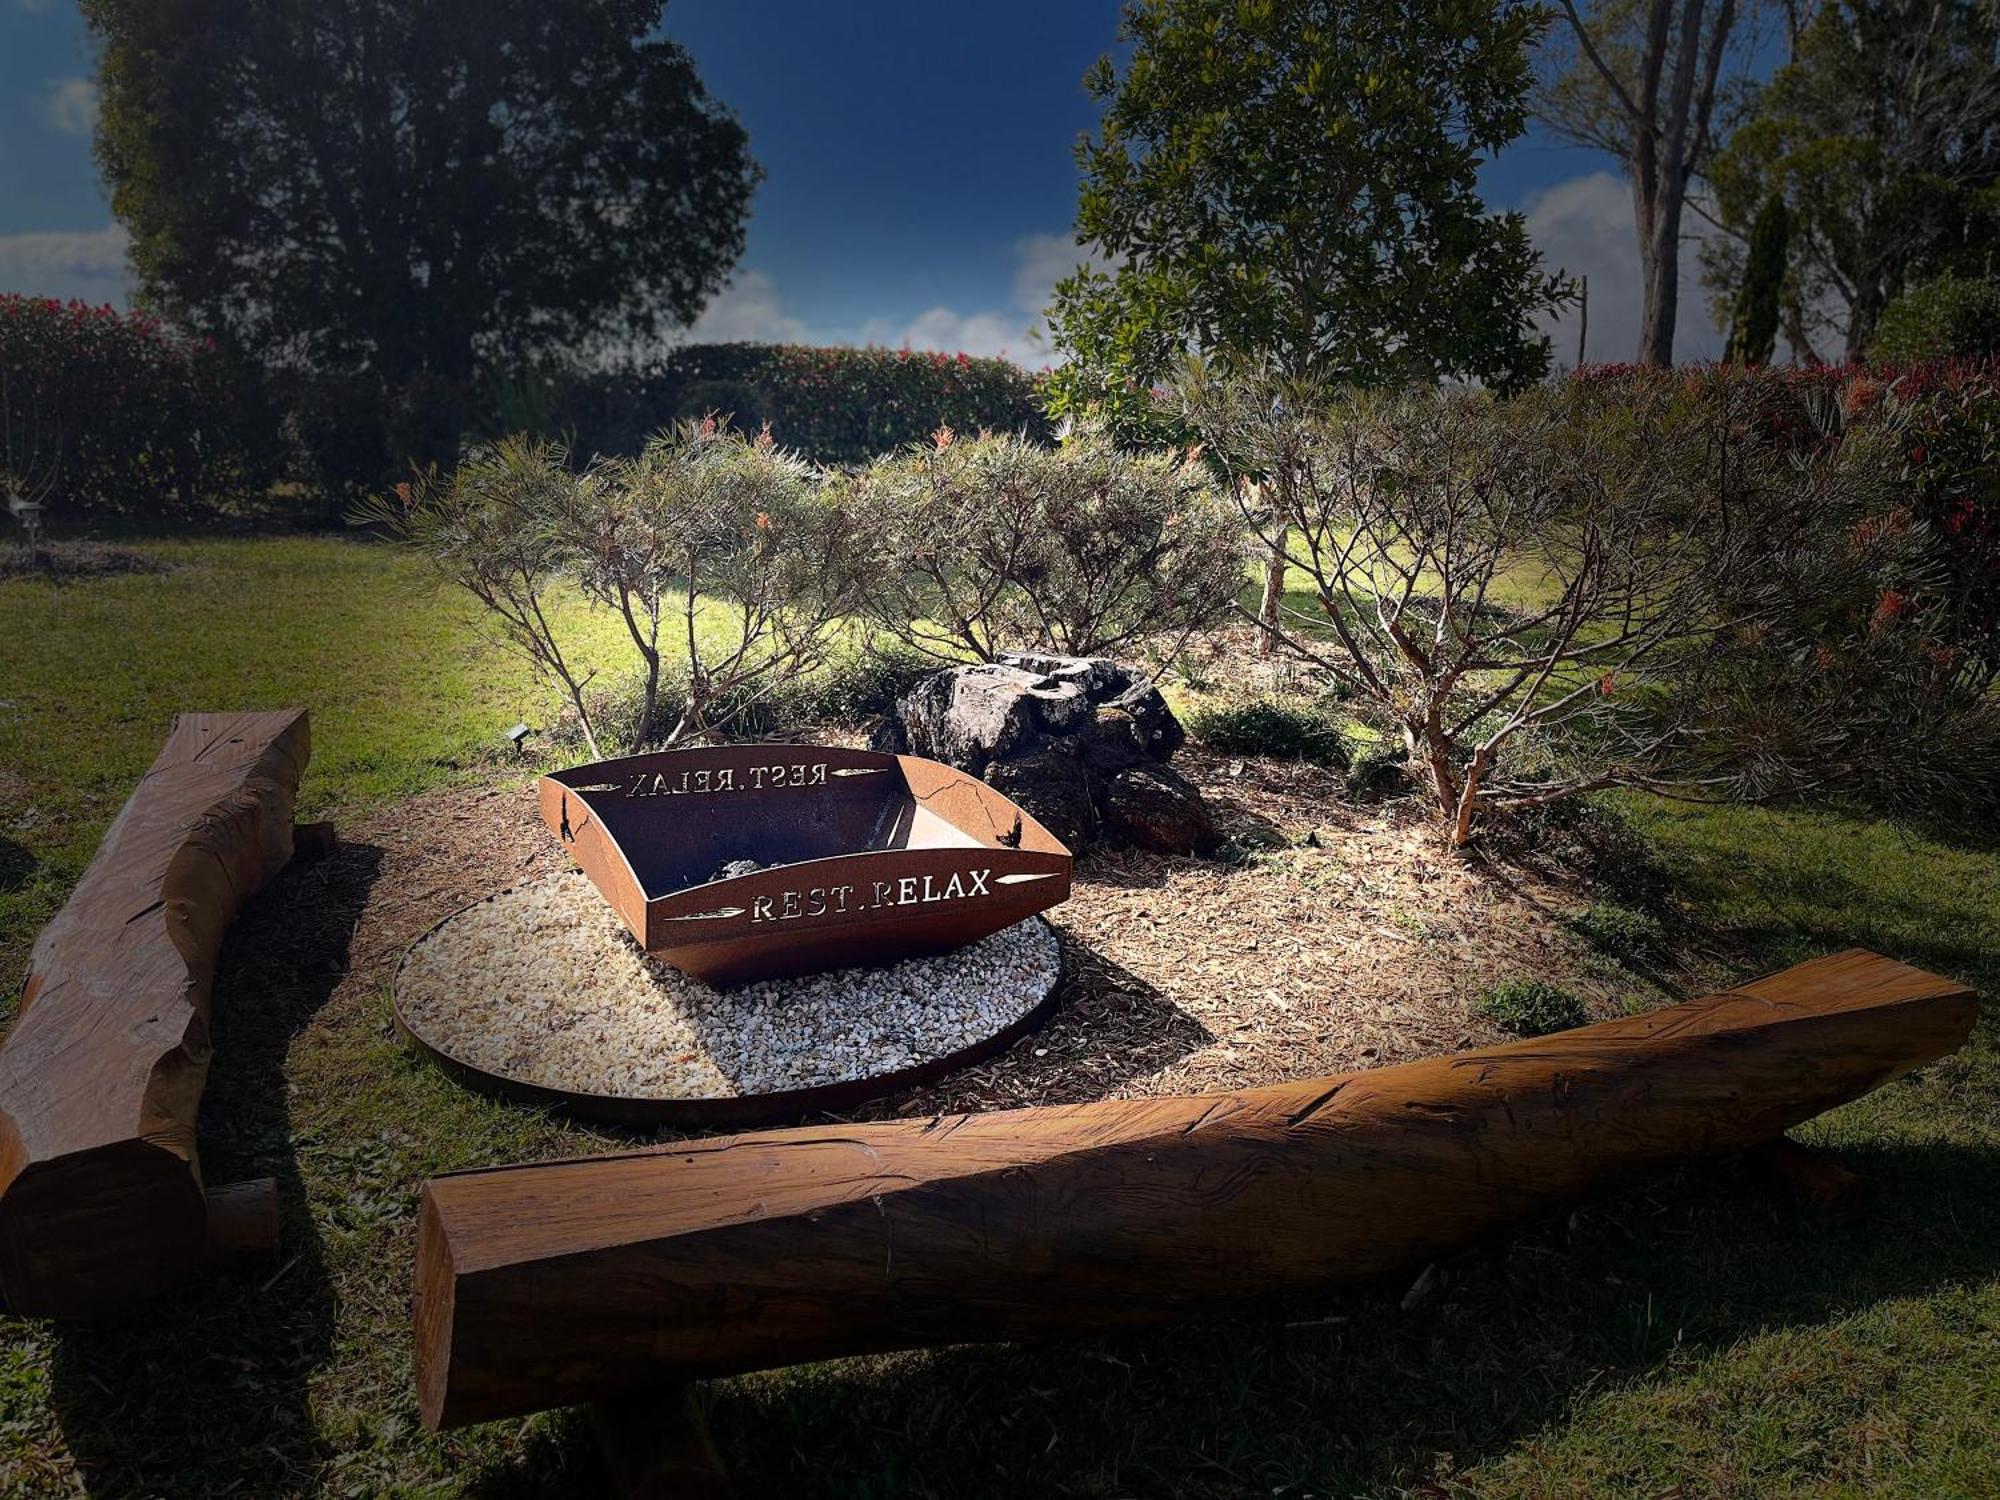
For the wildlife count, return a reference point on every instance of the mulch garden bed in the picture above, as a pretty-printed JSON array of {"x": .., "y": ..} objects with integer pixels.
[{"x": 1337, "y": 936}]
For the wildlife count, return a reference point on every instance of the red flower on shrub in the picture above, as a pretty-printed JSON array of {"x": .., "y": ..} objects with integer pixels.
[
  {"x": 1860, "y": 395},
  {"x": 1892, "y": 606}
]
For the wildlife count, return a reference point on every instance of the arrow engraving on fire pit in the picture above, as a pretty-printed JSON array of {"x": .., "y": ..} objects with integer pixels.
[
  {"x": 859, "y": 770},
  {"x": 710, "y": 916},
  {"x": 1024, "y": 879}
]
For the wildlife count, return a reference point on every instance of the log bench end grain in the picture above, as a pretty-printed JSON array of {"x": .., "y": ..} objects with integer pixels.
[
  {"x": 553, "y": 1284},
  {"x": 102, "y": 1203}
]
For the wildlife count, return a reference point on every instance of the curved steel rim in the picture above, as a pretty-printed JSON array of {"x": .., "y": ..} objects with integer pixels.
[{"x": 786, "y": 1106}]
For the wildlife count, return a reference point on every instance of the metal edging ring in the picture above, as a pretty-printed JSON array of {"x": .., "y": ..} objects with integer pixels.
[{"x": 786, "y": 1106}]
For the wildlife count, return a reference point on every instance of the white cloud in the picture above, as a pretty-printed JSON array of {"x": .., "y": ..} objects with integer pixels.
[
  {"x": 88, "y": 263},
  {"x": 747, "y": 311},
  {"x": 1015, "y": 331},
  {"x": 1584, "y": 227},
  {"x": 69, "y": 105},
  {"x": 751, "y": 309},
  {"x": 992, "y": 333}
]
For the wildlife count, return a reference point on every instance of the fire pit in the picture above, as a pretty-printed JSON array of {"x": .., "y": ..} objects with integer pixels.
[
  {"x": 756, "y": 861},
  {"x": 874, "y": 918}
]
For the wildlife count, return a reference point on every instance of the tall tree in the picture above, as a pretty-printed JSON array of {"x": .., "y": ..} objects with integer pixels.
[
  {"x": 408, "y": 191},
  {"x": 1753, "y": 321},
  {"x": 1640, "y": 79},
  {"x": 1882, "y": 138},
  {"x": 1293, "y": 184}
]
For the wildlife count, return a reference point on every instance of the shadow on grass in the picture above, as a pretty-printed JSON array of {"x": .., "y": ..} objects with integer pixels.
[
  {"x": 1351, "y": 1394},
  {"x": 16, "y": 865},
  {"x": 218, "y": 1372}
]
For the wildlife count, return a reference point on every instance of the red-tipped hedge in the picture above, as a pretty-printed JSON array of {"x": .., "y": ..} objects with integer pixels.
[
  {"x": 835, "y": 405},
  {"x": 1946, "y": 416},
  {"x": 142, "y": 419}
]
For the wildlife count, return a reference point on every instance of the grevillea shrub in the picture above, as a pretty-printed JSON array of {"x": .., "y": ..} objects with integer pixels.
[
  {"x": 704, "y": 522},
  {"x": 1909, "y": 661},
  {"x": 143, "y": 421},
  {"x": 992, "y": 543},
  {"x": 831, "y": 405},
  {"x": 1943, "y": 498}
]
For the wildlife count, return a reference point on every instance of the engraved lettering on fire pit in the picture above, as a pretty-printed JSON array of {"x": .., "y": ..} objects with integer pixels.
[
  {"x": 776, "y": 776},
  {"x": 910, "y": 890}
]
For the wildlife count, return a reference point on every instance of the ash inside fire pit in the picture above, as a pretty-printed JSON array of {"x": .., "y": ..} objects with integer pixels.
[{"x": 542, "y": 987}]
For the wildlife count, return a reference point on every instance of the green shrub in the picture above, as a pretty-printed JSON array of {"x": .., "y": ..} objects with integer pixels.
[
  {"x": 131, "y": 417},
  {"x": 702, "y": 516},
  {"x": 834, "y": 406},
  {"x": 1531, "y": 1007},
  {"x": 1593, "y": 839},
  {"x": 865, "y": 686},
  {"x": 1380, "y": 773},
  {"x": 1950, "y": 317},
  {"x": 1274, "y": 727},
  {"x": 995, "y": 542},
  {"x": 1622, "y": 931},
  {"x": 1876, "y": 681}
]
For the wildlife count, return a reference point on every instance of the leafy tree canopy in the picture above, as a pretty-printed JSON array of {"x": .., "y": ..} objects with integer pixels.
[
  {"x": 1882, "y": 137},
  {"x": 1293, "y": 183},
  {"x": 408, "y": 188}
]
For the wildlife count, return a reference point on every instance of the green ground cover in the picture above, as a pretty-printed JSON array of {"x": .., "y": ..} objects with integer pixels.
[{"x": 1701, "y": 1338}]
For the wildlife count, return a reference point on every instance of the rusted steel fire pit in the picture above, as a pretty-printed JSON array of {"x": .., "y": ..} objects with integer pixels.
[{"x": 759, "y": 861}]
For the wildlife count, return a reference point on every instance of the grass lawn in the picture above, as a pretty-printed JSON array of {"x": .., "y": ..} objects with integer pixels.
[{"x": 1700, "y": 1338}]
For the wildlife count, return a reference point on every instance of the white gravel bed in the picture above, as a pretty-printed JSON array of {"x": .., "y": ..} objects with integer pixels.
[{"x": 542, "y": 984}]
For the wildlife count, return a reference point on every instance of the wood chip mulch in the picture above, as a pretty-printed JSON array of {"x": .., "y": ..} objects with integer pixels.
[{"x": 1344, "y": 936}]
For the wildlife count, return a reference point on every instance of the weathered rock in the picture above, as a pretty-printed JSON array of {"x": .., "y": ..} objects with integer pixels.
[
  {"x": 1065, "y": 737},
  {"x": 1156, "y": 807},
  {"x": 1106, "y": 682},
  {"x": 1115, "y": 742},
  {"x": 971, "y": 716},
  {"x": 1100, "y": 678},
  {"x": 1052, "y": 785}
]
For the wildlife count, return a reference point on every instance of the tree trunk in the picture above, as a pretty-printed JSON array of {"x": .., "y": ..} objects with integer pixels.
[
  {"x": 1660, "y": 267},
  {"x": 1430, "y": 751},
  {"x": 1273, "y": 602},
  {"x": 101, "y": 1191}
]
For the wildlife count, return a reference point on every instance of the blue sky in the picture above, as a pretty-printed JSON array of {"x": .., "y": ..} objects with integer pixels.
[{"x": 920, "y": 184}]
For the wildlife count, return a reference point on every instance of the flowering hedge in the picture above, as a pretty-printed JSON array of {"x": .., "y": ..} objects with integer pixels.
[
  {"x": 835, "y": 405},
  {"x": 1943, "y": 496},
  {"x": 142, "y": 420}
]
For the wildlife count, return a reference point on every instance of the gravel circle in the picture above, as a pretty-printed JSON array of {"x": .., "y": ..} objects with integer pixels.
[{"x": 543, "y": 985}]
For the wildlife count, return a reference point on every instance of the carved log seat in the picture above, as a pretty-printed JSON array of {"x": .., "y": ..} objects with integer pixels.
[
  {"x": 101, "y": 1196},
  {"x": 540, "y": 1286}
]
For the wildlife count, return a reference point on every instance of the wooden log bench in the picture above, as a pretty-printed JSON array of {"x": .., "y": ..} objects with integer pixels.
[
  {"x": 541, "y": 1286},
  {"x": 101, "y": 1197}
]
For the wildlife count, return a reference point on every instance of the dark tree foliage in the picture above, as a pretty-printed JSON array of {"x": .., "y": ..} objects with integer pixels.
[
  {"x": 1293, "y": 183},
  {"x": 408, "y": 191},
  {"x": 1947, "y": 317},
  {"x": 1753, "y": 323},
  {"x": 1882, "y": 135}
]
